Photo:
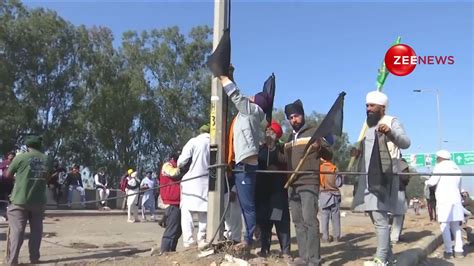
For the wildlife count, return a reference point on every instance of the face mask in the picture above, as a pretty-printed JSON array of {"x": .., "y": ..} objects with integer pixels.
[{"x": 373, "y": 118}]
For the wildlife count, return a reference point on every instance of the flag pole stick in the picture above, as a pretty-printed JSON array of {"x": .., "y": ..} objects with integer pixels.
[
  {"x": 381, "y": 77},
  {"x": 300, "y": 164}
]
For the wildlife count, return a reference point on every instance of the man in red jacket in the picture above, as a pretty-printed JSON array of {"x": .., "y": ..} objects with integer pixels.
[{"x": 170, "y": 195}]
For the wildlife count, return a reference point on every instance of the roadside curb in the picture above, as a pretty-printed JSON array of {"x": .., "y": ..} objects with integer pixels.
[{"x": 420, "y": 250}]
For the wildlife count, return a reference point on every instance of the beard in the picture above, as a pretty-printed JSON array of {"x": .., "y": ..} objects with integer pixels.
[
  {"x": 373, "y": 118},
  {"x": 297, "y": 127}
]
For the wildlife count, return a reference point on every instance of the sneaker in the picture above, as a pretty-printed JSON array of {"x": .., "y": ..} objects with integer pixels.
[
  {"x": 191, "y": 245},
  {"x": 156, "y": 252},
  {"x": 459, "y": 254},
  {"x": 375, "y": 262},
  {"x": 262, "y": 253},
  {"x": 131, "y": 221},
  {"x": 447, "y": 255},
  {"x": 324, "y": 240},
  {"x": 202, "y": 244},
  {"x": 297, "y": 262}
]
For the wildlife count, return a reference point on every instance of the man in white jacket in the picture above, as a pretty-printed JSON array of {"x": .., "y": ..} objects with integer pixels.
[
  {"x": 194, "y": 192},
  {"x": 448, "y": 199}
]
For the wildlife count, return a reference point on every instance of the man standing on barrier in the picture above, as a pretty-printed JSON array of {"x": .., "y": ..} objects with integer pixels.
[
  {"x": 28, "y": 200},
  {"x": 246, "y": 132},
  {"x": 379, "y": 155}
]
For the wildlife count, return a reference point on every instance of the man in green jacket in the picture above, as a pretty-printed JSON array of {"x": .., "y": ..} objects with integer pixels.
[{"x": 31, "y": 171}]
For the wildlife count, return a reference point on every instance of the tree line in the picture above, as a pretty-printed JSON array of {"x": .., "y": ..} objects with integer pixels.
[{"x": 100, "y": 105}]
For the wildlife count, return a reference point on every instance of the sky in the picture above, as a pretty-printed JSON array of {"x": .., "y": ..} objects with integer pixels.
[{"x": 318, "y": 49}]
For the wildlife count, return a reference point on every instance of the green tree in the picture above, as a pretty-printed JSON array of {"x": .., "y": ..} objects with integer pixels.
[
  {"x": 39, "y": 70},
  {"x": 95, "y": 104},
  {"x": 415, "y": 187}
]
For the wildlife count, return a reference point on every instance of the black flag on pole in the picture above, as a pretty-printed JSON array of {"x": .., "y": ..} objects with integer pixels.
[
  {"x": 332, "y": 123},
  {"x": 269, "y": 88},
  {"x": 219, "y": 60}
]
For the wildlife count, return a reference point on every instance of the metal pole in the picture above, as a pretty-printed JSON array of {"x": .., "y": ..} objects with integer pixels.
[
  {"x": 438, "y": 111},
  {"x": 217, "y": 130},
  {"x": 440, "y": 135}
]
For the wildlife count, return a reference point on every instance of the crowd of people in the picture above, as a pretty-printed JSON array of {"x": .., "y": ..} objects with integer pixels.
[{"x": 262, "y": 200}]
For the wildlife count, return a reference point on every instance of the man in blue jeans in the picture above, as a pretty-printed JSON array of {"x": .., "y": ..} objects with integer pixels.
[{"x": 246, "y": 145}]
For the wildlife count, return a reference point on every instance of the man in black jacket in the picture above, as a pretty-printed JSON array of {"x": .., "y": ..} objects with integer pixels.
[
  {"x": 303, "y": 193},
  {"x": 74, "y": 182}
]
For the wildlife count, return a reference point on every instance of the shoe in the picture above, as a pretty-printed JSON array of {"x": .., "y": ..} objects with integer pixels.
[
  {"x": 202, "y": 244},
  {"x": 459, "y": 254},
  {"x": 131, "y": 221},
  {"x": 375, "y": 262},
  {"x": 286, "y": 258},
  {"x": 262, "y": 253},
  {"x": 242, "y": 247},
  {"x": 297, "y": 262},
  {"x": 156, "y": 252},
  {"x": 191, "y": 245},
  {"x": 324, "y": 240},
  {"x": 447, "y": 255}
]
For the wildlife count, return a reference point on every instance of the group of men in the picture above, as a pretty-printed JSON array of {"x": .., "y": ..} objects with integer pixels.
[
  {"x": 261, "y": 197},
  {"x": 302, "y": 195}
]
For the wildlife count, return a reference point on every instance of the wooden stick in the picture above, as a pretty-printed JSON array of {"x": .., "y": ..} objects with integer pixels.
[
  {"x": 300, "y": 164},
  {"x": 361, "y": 136}
]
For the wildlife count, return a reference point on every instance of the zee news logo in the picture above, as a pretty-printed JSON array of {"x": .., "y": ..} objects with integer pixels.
[{"x": 401, "y": 60}]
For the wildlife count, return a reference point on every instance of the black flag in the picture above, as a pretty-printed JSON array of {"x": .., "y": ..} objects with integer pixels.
[
  {"x": 269, "y": 88},
  {"x": 332, "y": 123},
  {"x": 219, "y": 60}
]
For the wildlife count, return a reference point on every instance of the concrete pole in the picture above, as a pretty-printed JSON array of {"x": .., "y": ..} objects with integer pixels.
[{"x": 218, "y": 130}]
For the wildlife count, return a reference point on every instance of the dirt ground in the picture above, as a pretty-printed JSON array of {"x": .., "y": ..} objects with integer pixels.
[{"x": 110, "y": 240}]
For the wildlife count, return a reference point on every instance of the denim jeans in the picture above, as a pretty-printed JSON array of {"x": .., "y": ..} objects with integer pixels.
[
  {"x": 245, "y": 184},
  {"x": 81, "y": 191}
]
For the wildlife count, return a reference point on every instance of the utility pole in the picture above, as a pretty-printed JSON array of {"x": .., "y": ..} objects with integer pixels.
[{"x": 217, "y": 130}]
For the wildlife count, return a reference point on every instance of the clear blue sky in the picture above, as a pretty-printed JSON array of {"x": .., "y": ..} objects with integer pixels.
[{"x": 317, "y": 49}]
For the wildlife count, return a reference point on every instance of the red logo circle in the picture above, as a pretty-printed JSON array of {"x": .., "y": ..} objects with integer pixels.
[{"x": 400, "y": 60}]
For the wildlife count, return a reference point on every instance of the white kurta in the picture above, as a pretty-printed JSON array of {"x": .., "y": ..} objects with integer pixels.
[
  {"x": 149, "y": 194},
  {"x": 448, "y": 192},
  {"x": 194, "y": 193}
]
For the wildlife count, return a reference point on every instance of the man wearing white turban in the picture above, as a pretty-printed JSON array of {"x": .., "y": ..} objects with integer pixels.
[
  {"x": 379, "y": 155},
  {"x": 448, "y": 202}
]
